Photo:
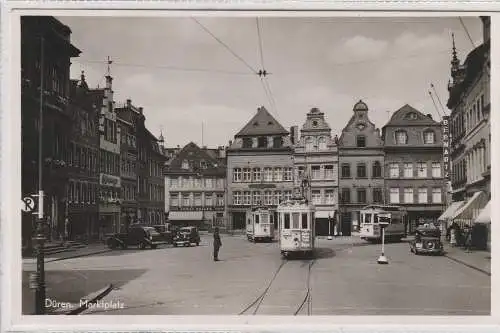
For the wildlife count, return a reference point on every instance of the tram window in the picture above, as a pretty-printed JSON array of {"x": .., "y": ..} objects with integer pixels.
[
  {"x": 304, "y": 221},
  {"x": 375, "y": 218},
  {"x": 295, "y": 220},
  {"x": 257, "y": 218},
  {"x": 287, "y": 221},
  {"x": 368, "y": 218}
]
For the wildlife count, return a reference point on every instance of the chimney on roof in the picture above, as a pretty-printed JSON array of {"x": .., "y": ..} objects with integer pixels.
[
  {"x": 141, "y": 110},
  {"x": 294, "y": 134},
  {"x": 129, "y": 102},
  {"x": 222, "y": 152}
]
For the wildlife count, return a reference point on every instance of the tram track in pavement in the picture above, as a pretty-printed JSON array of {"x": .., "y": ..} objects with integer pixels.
[{"x": 305, "y": 303}]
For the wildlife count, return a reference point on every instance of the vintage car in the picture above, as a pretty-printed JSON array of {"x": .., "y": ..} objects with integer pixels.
[
  {"x": 427, "y": 240},
  {"x": 164, "y": 230},
  {"x": 186, "y": 236},
  {"x": 136, "y": 235}
]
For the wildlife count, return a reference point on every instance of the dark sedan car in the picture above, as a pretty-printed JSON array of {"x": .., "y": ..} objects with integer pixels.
[
  {"x": 186, "y": 236},
  {"x": 136, "y": 235},
  {"x": 427, "y": 240}
]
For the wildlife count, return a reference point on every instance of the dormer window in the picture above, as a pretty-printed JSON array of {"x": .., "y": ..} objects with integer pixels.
[
  {"x": 256, "y": 124},
  {"x": 412, "y": 116},
  {"x": 185, "y": 165},
  {"x": 360, "y": 141},
  {"x": 309, "y": 144},
  {"x": 270, "y": 123},
  {"x": 262, "y": 142},
  {"x": 401, "y": 137},
  {"x": 277, "y": 142},
  {"x": 247, "y": 142},
  {"x": 203, "y": 164},
  {"x": 322, "y": 143},
  {"x": 429, "y": 137}
]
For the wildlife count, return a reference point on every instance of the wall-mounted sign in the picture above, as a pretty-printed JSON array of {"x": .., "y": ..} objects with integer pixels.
[
  {"x": 194, "y": 209},
  {"x": 108, "y": 180},
  {"x": 446, "y": 147}
]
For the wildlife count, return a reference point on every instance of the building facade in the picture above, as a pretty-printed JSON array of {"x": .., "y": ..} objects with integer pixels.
[
  {"x": 109, "y": 162},
  {"x": 316, "y": 159},
  {"x": 259, "y": 168},
  {"x": 361, "y": 160},
  {"x": 45, "y": 40},
  {"x": 155, "y": 212},
  {"x": 195, "y": 183},
  {"x": 414, "y": 173},
  {"x": 83, "y": 187},
  {"x": 127, "y": 116}
]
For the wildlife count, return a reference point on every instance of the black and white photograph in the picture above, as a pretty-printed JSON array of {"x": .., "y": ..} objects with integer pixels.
[{"x": 254, "y": 165}]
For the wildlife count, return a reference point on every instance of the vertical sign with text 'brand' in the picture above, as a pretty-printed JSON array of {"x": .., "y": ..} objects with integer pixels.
[{"x": 446, "y": 147}]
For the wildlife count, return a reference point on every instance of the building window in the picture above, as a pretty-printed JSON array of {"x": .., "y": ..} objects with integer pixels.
[
  {"x": 174, "y": 200},
  {"x": 322, "y": 143},
  {"x": 247, "y": 142},
  {"x": 197, "y": 199},
  {"x": 401, "y": 137},
  {"x": 257, "y": 177},
  {"x": 208, "y": 183},
  {"x": 408, "y": 195},
  {"x": 436, "y": 170},
  {"x": 394, "y": 195},
  {"x": 186, "y": 200},
  {"x": 329, "y": 197},
  {"x": 360, "y": 141},
  {"x": 287, "y": 176},
  {"x": 278, "y": 174},
  {"x": 197, "y": 182},
  {"x": 422, "y": 170},
  {"x": 268, "y": 174},
  {"x": 429, "y": 137},
  {"x": 268, "y": 198},
  {"x": 436, "y": 195},
  {"x": 220, "y": 199},
  {"x": 185, "y": 164},
  {"x": 247, "y": 175},
  {"x": 377, "y": 195},
  {"x": 247, "y": 198},
  {"x": 316, "y": 197},
  {"x": 237, "y": 174},
  {"x": 361, "y": 170},
  {"x": 316, "y": 172},
  {"x": 422, "y": 195},
  {"x": 256, "y": 198},
  {"x": 262, "y": 142},
  {"x": 346, "y": 170},
  {"x": 277, "y": 142},
  {"x": 408, "y": 170},
  {"x": 288, "y": 195},
  {"x": 361, "y": 192},
  {"x": 237, "y": 198},
  {"x": 376, "y": 170},
  {"x": 309, "y": 144},
  {"x": 346, "y": 195},
  {"x": 393, "y": 170},
  {"x": 276, "y": 197},
  {"x": 328, "y": 171}
]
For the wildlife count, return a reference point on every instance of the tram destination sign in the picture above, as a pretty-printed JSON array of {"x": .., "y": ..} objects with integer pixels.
[{"x": 446, "y": 147}]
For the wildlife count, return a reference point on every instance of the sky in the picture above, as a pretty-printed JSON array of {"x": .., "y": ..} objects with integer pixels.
[{"x": 194, "y": 87}]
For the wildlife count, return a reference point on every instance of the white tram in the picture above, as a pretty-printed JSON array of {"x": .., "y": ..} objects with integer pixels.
[
  {"x": 370, "y": 217},
  {"x": 260, "y": 224},
  {"x": 296, "y": 226}
]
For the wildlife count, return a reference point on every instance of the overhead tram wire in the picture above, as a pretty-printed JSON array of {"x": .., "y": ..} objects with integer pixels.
[
  {"x": 435, "y": 105},
  {"x": 467, "y": 32},
  {"x": 263, "y": 73},
  {"x": 439, "y": 99},
  {"x": 226, "y": 46}
]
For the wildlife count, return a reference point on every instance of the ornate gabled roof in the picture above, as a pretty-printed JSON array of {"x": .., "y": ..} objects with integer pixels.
[
  {"x": 408, "y": 115},
  {"x": 360, "y": 106},
  {"x": 194, "y": 156},
  {"x": 315, "y": 121},
  {"x": 263, "y": 123}
]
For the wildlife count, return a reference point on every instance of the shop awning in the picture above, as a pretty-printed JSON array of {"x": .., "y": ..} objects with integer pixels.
[
  {"x": 472, "y": 207},
  {"x": 185, "y": 216},
  {"x": 485, "y": 215},
  {"x": 450, "y": 210},
  {"x": 324, "y": 214}
]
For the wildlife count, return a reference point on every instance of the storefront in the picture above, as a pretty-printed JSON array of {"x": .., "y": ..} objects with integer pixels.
[
  {"x": 325, "y": 223},
  {"x": 444, "y": 219},
  {"x": 483, "y": 224}
]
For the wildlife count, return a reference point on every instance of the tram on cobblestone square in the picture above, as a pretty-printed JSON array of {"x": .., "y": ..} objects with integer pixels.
[
  {"x": 296, "y": 227},
  {"x": 260, "y": 224},
  {"x": 372, "y": 215}
]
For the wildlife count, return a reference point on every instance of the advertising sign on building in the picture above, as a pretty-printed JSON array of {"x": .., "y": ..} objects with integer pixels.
[
  {"x": 446, "y": 147},
  {"x": 195, "y": 208},
  {"x": 109, "y": 180}
]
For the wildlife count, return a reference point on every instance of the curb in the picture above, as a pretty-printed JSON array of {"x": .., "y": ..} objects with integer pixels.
[
  {"x": 99, "y": 295},
  {"x": 80, "y": 255},
  {"x": 468, "y": 265}
]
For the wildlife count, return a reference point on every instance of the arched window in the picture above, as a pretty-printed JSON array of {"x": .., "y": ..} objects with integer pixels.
[
  {"x": 376, "y": 170},
  {"x": 429, "y": 137},
  {"x": 309, "y": 144},
  {"x": 322, "y": 143},
  {"x": 401, "y": 137}
]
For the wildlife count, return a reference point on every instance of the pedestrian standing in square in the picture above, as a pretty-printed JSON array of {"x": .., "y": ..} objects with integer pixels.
[{"x": 217, "y": 244}]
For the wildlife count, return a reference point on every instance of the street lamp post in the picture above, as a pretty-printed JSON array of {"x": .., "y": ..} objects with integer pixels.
[
  {"x": 382, "y": 259},
  {"x": 329, "y": 228}
]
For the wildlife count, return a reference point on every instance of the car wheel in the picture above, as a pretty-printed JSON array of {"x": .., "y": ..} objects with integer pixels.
[
  {"x": 153, "y": 246},
  {"x": 416, "y": 252},
  {"x": 123, "y": 246},
  {"x": 175, "y": 244},
  {"x": 112, "y": 245},
  {"x": 197, "y": 243},
  {"x": 142, "y": 245}
]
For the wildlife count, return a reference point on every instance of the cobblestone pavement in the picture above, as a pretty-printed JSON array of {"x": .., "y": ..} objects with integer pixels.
[{"x": 344, "y": 280}]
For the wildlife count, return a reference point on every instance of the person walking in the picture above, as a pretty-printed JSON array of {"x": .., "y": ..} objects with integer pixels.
[{"x": 217, "y": 244}]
